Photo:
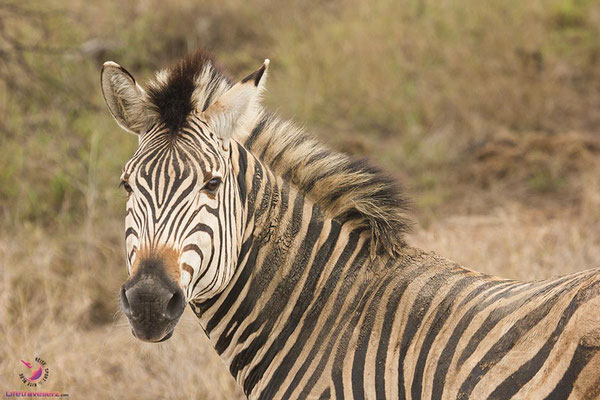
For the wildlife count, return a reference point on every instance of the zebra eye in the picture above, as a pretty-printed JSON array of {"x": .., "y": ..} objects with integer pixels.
[
  {"x": 212, "y": 185},
  {"x": 126, "y": 186}
]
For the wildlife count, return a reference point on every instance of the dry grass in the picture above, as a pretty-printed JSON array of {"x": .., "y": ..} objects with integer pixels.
[
  {"x": 515, "y": 242},
  {"x": 487, "y": 111}
]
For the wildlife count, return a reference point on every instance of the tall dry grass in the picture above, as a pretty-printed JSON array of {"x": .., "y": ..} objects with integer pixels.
[{"x": 486, "y": 111}]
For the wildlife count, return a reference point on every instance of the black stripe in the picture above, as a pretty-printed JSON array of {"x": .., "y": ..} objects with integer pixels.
[
  {"x": 203, "y": 306},
  {"x": 266, "y": 147},
  {"x": 308, "y": 325},
  {"x": 208, "y": 264},
  {"x": 326, "y": 395},
  {"x": 388, "y": 324},
  {"x": 493, "y": 356},
  {"x": 243, "y": 167},
  {"x": 279, "y": 301},
  {"x": 501, "y": 290},
  {"x": 497, "y": 315},
  {"x": 300, "y": 311},
  {"x": 364, "y": 293},
  {"x": 269, "y": 189},
  {"x": 257, "y": 179},
  {"x": 286, "y": 150},
  {"x": 178, "y": 220},
  {"x": 201, "y": 227},
  {"x": 267, "y": 270},
  {"x": 444, "y": 310},
  {"x": 341, "y": 301},
  {"x": 362, "y": 345},
  {"x": 362, "y": 298},
  {"x": 256, "y": 132},
  {"x": 511, "y": 385},
  {"x": 131, "y": 231},
  {"x": 580, "y": 359},
  {"x": 415, "y": 316},
  {"x": 274, "y": 304},
  {"x": 184, "y": 227}
]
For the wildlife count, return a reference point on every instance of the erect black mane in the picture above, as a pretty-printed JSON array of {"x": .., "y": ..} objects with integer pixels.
[{"x": 171, "y": 93}]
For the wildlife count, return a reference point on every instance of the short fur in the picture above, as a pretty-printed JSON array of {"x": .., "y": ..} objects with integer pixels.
[{"x": 345, "y": 188}]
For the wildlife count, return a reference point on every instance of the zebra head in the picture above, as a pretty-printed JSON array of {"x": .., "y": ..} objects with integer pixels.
[{"x": 183, "y": 217}]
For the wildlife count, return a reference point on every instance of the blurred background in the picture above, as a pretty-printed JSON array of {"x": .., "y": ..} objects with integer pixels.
[{"x": 488, "y": 113}]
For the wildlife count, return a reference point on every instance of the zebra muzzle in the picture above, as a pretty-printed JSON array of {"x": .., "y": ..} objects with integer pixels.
[{"x": 153, "y": 304}]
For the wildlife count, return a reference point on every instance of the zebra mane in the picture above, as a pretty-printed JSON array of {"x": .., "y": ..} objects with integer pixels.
[
  {"x": 345, "y": 188},
  {"x": 176, "y": 91}
]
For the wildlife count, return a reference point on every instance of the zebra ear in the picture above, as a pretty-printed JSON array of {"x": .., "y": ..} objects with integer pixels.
[
  {"x": 238, "y": 106},
  {"x": 124, "y": 97}
]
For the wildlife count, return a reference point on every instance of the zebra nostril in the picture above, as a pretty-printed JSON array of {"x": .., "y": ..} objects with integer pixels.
[
  {"x": 175, "y": 306},
  {"x": 125, "y": 303}
]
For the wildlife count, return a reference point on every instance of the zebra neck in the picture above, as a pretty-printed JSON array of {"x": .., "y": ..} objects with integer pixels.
[{"x": 290, "y": 251}]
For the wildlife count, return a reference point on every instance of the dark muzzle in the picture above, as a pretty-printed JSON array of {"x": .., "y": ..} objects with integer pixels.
[{"x": 153, "y": 303}]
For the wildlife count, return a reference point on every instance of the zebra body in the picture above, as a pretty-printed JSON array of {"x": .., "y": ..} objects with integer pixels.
[
  {"x": 298, "y": 272},
  {"x": 316, "y": 317}
]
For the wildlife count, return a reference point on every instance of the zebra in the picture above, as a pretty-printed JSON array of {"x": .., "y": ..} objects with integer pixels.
[{"x": 294, "y": 259}]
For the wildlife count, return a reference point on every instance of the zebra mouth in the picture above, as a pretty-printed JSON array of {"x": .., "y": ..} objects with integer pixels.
[{"x": 166, "y": 337}]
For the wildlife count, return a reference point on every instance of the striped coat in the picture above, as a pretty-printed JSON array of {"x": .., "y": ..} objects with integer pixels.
[
  {"x": 328, "y": 321},
  {"x": 293, "y": 258}
]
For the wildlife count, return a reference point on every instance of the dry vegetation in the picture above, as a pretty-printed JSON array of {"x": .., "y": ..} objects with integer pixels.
[{"x": 489, "y": 112}]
